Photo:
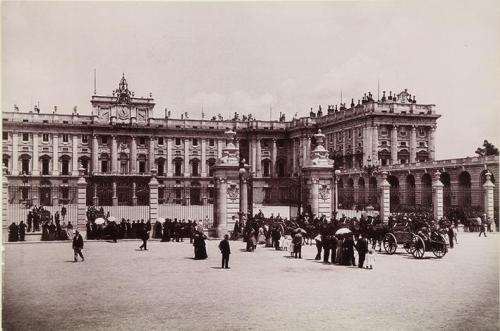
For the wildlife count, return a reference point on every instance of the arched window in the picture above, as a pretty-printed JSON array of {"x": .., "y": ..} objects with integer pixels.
[
  {"x": 404, "y": 156},
  {"x": 447, "y": 195},
  {"x": 280, "y": 167},
  {"x": 84, "y": 162},
  {"x": 426, "y": 190},
  {"x": 177, "y": 167},
  {"x": 123, "y": 163},
  {"x": 104, "y": 163},
  {"x": 394, "y": 191},
  {"x": 464, "y": 192},
  {"x": 65, "y": 165},
  {"x": 45, "y": 159},
  {"x": 141, "y": 159},
  {"x": 195, "y": 165},
  {"x": 25, "y": 164},
  {"x": 266, "y": 166},
  {"x": 160, "y": 164},
  {"x": 211, "y": 163},
  {"x": 410, "y": 190},
  {"x": 5, "y": 162}
]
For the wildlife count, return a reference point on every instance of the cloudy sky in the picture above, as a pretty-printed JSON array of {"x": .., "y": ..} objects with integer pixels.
[{"x": 250, "y": 57}]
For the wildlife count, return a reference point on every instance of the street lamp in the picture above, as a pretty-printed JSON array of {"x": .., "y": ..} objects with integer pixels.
[
  {"x": 336, "y": 175},
  {"x": 370, "y": 169}
]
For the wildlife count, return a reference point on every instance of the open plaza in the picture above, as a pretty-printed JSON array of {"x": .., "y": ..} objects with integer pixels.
[{"x": 119, "y": 287}]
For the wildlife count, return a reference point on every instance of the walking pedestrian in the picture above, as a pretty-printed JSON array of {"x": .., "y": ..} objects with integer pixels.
[
  {"x": 225, "y": 250},
  {"x": 144, "y": 236},
  {"x": 450, "y": 236},
  {"x": 319, "y": 246},
  {"x": 482, "y": 229},
  {"x": 362, "y": 248},
  {"x": 78, "y": 246},
  {"x": 370, "y": 261}
]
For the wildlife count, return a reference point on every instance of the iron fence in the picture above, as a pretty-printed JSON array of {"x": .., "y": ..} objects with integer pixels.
[{"x": 187, "y": 203}]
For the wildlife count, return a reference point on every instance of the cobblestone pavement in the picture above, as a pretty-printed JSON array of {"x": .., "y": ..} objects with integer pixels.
[{"x": 120, "y": 287}]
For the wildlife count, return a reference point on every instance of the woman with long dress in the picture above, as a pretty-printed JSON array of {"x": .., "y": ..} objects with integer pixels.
[{"x": 200, "y": 250}]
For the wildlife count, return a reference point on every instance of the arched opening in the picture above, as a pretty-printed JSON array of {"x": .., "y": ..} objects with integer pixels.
[
  {"x": 410, "y": 190},
  {"x": 177, "y": 166},
  {"x": 5, "y": 162},
  {"x": 394, "y": 192},
  {"x": 141, "y": 161},
  {"x": 280, "y": 167},
  {"x": 210, "y": 166},
  {"x": 266, "y": 166},
  {"x": 160, "y": 166},
  {"x": 124, "y": 168},
  {"x": 404, "y": 156},
  {"x": 464, "y": 189},
  {"x": 104, "y": 163},
  {"x": 45, "y": 160},
  {"x": 65, "y": 159},
  {"x": 426, "y": 181},
  {"x": 195, "y": 165},
  {"x": 372, "y": 191},
  {"x": 447, "y": 195},
  {"x": 422, "y": 156},
  {"x": 25, "y": 164},
  {"x": 384, "y": 156}
]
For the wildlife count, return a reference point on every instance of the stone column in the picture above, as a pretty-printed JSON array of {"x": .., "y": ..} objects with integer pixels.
[
  {"x": 219, "y": 148},
  {"x": 74, "y": 156},
  {"x": 186, "y": 157},
  {"x": 437, "y": 196},
  {"x": 36, "y": 161},
  {"x": 294, "y": 156},
  {"x": 413, "y": 144},
  {"x": 151, "y": 154},
  {"x": 133, "y": 155},
  {"x": 115, "y": 197},
  {"x": 153, "y": 197},
  {"x": 221, "y": 191},
  {"x": 114, "y": 155},
  {"x": 394, "y": 144},
  {"x": 385, "y": 198},
  {"x": 254, "y": 155},
  {"x": 243, "y": 197},
  {"x": 169, "y": 158},
  {"x": 304, "y": 151},
  {"x": 367, "y": 144},
  {"x": 274, "y": 153},
  {"x": 314, "y": 196},
  {"x": 81, "y": 213},
  {"x": 5, "y": 203},
  {"x": 134, "y": 196},
  {"x": 375, "y": 144},
  {"x": 15, "y": 154},
  {"x": 489, "y": 200},
  {"x": 203, "y": 157},
  {"x": 353, "y": 140},
  {"x": 55, "y": 154},
  {"x": 308, "y": 149},
  {"x": 259, "y": 158},
  {"x": 95, "y": 154},
  {"x": 95, "y": 198},
  {"x": 432, "y": 149}
]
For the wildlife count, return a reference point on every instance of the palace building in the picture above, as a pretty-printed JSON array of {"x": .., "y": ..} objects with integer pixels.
[{"x": 121, "y": 144}]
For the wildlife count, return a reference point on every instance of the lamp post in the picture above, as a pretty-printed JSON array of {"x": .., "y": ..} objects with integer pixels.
[
  {"x": 336, "y": 175},
  {"x": 370, "y": 169},
  {"x": 244, "y": 176}
]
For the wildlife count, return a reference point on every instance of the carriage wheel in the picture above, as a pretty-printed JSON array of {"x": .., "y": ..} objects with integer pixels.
[
  {"x": 418, "y": 247},
  {"x": 410, "y": 246},
  {"x": 390, "y": 243},
  {"x": 439, "y": 247}
]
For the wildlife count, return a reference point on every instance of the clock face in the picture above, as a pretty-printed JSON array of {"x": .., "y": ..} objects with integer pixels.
[
  {"x": 122, "y": 113},
  {"x": 141, "y": 115},
  {"x": 104, "y": 114}
]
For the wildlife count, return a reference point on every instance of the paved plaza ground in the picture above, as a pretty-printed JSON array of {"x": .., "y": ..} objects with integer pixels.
[{"x": 119, "y": 287}]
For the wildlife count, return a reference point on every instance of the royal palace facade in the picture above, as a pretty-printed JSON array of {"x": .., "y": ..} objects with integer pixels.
[{"x": 122, "y": 143}]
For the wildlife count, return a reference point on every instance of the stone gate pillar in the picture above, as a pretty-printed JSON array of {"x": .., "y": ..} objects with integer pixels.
[
  {"x": 318, "y": 172},
  {"x": 114, "y": 198},
  {"x": 227, "y": 188},
  {"x": 437, "y": 196},
  {"x": 243, "y": 194},
  {"x": 489, "y": 201},
  {"x": 385, "y": 198},
  {"x": 153, "y": 197},
  {"x": 5, "y": 203},
  {"x": 81, "y": 200}
]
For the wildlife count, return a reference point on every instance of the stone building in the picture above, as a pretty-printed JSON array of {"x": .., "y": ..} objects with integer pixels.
[{"x": 121, "y": 142}]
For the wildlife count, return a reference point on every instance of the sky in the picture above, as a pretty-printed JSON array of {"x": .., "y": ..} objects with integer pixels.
[{"x": 261, "y": 58}]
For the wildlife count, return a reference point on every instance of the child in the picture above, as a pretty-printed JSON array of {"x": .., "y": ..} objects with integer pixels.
[{"x": 370, "y": 259}]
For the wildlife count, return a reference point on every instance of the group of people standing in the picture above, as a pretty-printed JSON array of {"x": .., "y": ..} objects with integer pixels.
[{"x": 340, "y": 250}]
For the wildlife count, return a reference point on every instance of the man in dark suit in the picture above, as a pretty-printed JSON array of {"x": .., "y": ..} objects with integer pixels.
[
  {"x": 225, "y": 249},
  {"x": 362, "y": 248},
  {"x": 78, "y": 245},
  {"x": 144, "y": 235}
]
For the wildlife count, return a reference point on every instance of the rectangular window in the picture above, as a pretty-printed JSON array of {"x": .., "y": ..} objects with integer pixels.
[
  {"x": 160, "y": 141},
  {"x": 403, "y": 143},
  {"x": 85, "y": 139},
  {"x": 177, "y": 141},
  {"x": 26, "y": 137},
  {"x": 45, "y": 137},
  {"x": 195, "y": 142},
  {"x": 349, "y": 134},
  {"x": 403, "y": 133},
  {"x": 65, "y": 138},
  {"x": 384, "y": 132},
  {"x": 142, "y": 141},
  {"x": 142, "y": 167},
  {"x": 211, "y": 142},
  {"x": 5, "y": 135},
  {"x": 65, "y": 167},
  {"x": 25, "y": 166},
  {"x": 421, "y": 132},
  {"x": 104, "y": 140}
]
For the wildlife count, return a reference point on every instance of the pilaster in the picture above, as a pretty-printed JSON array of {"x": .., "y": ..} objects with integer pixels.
[
  {"x": 55, "y": 154},
  {"x": 153, "y": 197},
  {"x": 437, "y": 197},
  {"x": 385, "y": 200},
  {"x": 81, "y": 215},
  {"x": 36, "y": 161}
]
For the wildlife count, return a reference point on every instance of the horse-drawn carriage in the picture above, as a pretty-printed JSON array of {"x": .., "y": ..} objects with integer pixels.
[{"x": 415, "y": 244}]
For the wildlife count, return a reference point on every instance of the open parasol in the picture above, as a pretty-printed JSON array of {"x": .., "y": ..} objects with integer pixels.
[
  {"x": 343, "y": 231},
  {"x": 99, "y": 220}
]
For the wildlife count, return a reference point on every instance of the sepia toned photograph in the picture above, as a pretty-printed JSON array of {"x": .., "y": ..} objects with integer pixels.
[{"x": 250, "y": 165}]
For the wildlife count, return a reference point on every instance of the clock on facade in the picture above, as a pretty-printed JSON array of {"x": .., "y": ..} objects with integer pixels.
[
  {"x": 141, "y": 115},
  {"x": 104, "y": 114}
]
